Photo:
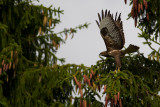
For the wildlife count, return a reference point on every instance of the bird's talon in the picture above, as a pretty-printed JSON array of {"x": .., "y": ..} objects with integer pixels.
[
  {"x": 115, "y": 71},
  {"x": 119, "y": 70}
]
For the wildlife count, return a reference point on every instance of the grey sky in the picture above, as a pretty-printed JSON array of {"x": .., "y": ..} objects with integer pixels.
[{"x": 86, "y": 45}]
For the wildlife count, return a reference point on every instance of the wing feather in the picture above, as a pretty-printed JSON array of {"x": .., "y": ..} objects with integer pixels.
[
  {"x": 99, "y": 17},
  {"x": 106, "y": 13},
  {"x": 102, "y": 15},
  {"x": 113, "y": 36},
  {"x": 115, "y": 17},
  {"x": 97, "y": 23},
  {"x": 119, "y": 24}
]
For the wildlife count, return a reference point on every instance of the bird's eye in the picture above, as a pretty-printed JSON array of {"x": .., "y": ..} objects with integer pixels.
[{"x": 104, "y": 31}]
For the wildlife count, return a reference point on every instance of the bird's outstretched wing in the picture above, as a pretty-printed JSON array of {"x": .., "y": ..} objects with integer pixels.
[{"x": 111, "y": 30}]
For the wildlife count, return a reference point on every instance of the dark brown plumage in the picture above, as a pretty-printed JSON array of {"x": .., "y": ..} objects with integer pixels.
[{"x": 111, "y": 31}]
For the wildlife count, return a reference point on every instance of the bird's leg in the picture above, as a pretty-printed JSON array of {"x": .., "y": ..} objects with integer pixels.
[
  {"x": 118, "y": 63},
  {"x": 116, "y": 68}
]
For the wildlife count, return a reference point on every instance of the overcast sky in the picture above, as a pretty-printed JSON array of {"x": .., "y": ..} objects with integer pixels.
[{"x": 86, "y": 45}]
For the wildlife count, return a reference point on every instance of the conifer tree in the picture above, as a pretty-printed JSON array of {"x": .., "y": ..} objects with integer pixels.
[
  {"x": 28, "y": 45},
  {"x": 30, "y": 75}
]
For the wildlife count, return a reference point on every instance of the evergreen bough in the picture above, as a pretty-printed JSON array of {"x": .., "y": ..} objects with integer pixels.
[{"x": 30, "y": 76}]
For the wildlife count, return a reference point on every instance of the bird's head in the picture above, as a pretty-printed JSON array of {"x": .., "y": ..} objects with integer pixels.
[{"x": 104, "y": 53}]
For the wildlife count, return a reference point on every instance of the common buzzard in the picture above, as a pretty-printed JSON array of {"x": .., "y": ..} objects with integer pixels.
[{"x": 111, "y": 31}]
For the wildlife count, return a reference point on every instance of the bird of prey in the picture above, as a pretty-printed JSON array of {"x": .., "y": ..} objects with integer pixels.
[{"x": 111, "y": 31}]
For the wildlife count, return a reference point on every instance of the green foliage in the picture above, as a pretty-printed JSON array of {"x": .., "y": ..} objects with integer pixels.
[
  {"x": 151, "y": 27},
  {"x": 29, "y": 75},
  {"x": 43, "y": 87},
  {"x": 137, "y": 81},
  {"x": 148, "y": 13},
  {"x": 28, "y": 45}
]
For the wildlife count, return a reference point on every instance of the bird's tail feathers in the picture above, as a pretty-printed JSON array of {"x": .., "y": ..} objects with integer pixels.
[{"x": 131, "y": 48}]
